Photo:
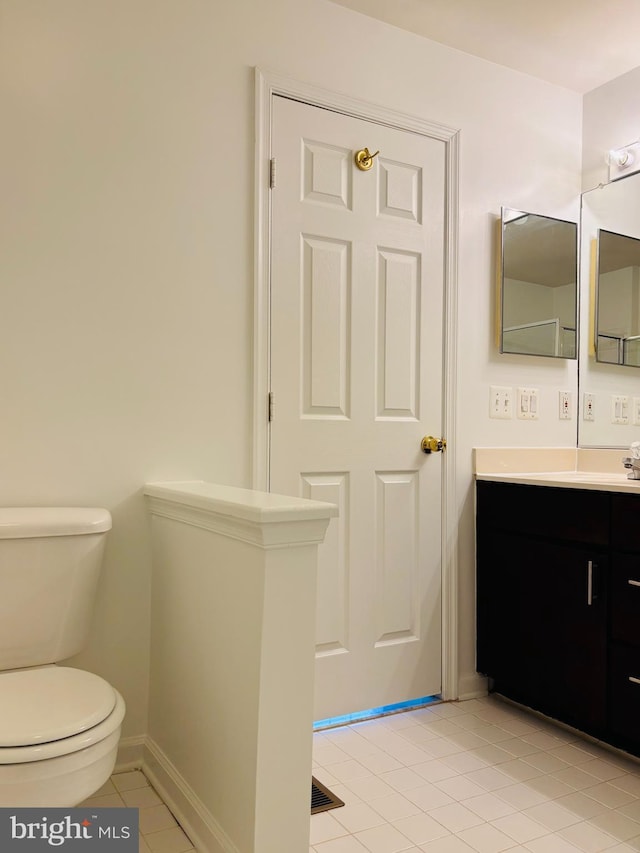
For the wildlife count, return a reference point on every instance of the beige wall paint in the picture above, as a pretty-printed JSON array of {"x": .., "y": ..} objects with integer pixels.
[{"x": 127, "y": 264}]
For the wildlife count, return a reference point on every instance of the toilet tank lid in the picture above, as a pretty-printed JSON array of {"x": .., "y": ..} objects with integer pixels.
[{"x": 34, "y": 522}]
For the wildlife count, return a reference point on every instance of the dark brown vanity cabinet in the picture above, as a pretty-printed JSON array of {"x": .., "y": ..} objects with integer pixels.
[
  {"x": 558, "y": 603},
  {"x": 624, "y": 659}
]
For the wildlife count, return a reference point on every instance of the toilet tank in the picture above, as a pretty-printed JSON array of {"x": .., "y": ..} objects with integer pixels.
[{"x": 50, "y": 561}]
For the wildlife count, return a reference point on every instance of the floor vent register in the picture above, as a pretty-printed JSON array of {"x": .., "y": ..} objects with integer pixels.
[{"x": 322, "y": 799}]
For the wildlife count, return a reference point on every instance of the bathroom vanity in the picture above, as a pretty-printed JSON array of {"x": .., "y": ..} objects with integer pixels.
[{"x": 558, "y": 597}]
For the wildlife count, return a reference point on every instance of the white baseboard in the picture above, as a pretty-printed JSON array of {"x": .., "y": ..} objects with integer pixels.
[
  {"x": 472, "y": 686},
  {"x": 206, "y": 834},
  {"x": 130, "y": 753}
]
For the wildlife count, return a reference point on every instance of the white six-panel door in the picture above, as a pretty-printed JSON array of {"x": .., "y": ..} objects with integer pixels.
[{"x": 356, "y": 375}]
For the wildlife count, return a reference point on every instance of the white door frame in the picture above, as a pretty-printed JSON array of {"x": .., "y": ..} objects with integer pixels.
[{"x": 267, "y": 85}]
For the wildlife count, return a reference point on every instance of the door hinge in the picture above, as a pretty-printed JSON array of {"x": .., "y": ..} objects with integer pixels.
[
  {"x": 270, "y": 406},
  {"x": 272, "y": 173}
]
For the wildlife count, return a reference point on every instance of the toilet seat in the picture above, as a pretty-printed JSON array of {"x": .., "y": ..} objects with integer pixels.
[{"x": 51, "y": 711}]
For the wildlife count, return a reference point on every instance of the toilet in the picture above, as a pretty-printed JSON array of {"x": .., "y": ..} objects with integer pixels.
[{"x": 59, "y": 726}]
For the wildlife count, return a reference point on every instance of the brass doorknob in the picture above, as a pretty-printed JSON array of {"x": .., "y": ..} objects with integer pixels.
[{"x": 429, "y": 444}]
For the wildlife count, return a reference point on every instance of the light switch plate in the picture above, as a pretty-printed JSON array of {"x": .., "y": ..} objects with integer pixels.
[
  {"x": 500, "y": 401},
  {"x": 527, "y": 406},
  {"x": 619, "y": 409}
]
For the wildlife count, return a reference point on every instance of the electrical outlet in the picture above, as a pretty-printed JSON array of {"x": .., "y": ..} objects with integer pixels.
[
  {"x": 564, "y": 405},
  {"x": 588, "y": 407},
  {"x": 527, "y": 404},
  {"x": 500, "y": 401},
  {"x": 619, "y": 409},
  {"x": 636, "y": 411}
]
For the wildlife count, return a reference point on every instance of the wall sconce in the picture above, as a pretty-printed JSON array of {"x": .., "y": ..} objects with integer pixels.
[{"x": 624, "y": 161}]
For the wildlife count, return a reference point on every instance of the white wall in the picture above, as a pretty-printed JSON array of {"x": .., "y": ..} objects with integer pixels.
[
  {"x": 232, "y": 681},
  {"x": 611, "y": 120},
  {"x": 126, "y": 324}
]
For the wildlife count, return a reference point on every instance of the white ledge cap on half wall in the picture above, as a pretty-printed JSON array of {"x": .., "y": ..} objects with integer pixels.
[
  {"x": 258, "y": 507},
  {"x": 260, "y": 518}
]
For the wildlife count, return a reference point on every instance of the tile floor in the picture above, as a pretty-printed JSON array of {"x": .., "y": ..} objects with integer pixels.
[
  {"x": 468, "y": 777},
  {"x": 480, "y": 776},
  {"x": 159, "y": 831}
]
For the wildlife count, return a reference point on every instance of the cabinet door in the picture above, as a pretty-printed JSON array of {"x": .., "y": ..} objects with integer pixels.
[
  {"x": 503, "y": 597},
  {"x": 577, "y": 643},
  {"x": 542, "y": 629},
  {"x": 625, "y": 534},
  {"x": 624, "y": 694},
  {"x": 625, "y": 599},
  {"x": 624, "y": 658}
]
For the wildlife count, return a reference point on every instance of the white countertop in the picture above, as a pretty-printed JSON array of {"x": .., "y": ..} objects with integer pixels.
[
  {"x": 595, "y": 480},
  {"x": 600, "y": 469}
]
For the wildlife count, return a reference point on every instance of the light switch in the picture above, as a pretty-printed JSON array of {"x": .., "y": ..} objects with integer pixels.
[
  {"x": 500, "y": 401},
  {"x": 527, "y": 404},
  {"x": 619, "y": 409}
]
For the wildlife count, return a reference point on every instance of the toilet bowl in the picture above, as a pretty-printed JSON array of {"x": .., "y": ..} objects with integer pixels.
[
  {"x": 59, "y": 734},
  {"x": 59, "y": 726}
]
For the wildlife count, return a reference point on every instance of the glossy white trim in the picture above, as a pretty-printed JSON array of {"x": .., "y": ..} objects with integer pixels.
[
  {"x": 255, "y": 507},
  {"x": 193, "y": 816},
  {"x": 130, "y": 753},
  {"x": 473, "y": 686},
  {"x": 259, "y": 518},
  {"x": 450, "y": 665}
]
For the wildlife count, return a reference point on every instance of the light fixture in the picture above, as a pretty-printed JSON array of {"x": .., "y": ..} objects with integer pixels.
[{"x": 624, "y": 161}]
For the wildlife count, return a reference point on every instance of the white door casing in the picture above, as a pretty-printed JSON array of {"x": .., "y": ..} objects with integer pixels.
[{"x": 357, "y": 394}]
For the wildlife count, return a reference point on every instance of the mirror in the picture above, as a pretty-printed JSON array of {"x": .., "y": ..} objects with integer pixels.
[
  {"x": 610, "y": 314},
  {"x": 537, "y": 285},
  {"x": 618, "y": 299}
]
